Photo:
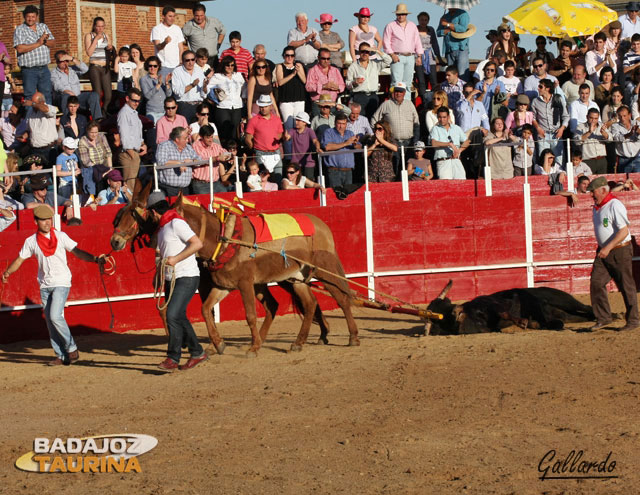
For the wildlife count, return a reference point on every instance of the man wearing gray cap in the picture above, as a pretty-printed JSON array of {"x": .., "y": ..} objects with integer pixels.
[
  {"x": 613, "y": 257},
  {"x": 630, "y": 22},
  {"x": 49, "y": 247}
]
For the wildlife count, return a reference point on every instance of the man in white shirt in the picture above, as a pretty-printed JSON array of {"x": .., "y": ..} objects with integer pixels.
[
  {"x": 177, "y": 245},
  {"x": 168, "y": 40},
  {"x": 189, "y": 85},
  {"x": 613, "y": 257},
  {"x": 630, "y": 22},
  {"x": 598, "y": 58},
  {"x": 511, "y": 83},
  {"x": 578, "y": 109},
  {"x": 50, "y": 246}
]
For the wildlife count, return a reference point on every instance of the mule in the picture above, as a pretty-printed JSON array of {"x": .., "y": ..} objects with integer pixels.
[{"x": 250, "y": 270}]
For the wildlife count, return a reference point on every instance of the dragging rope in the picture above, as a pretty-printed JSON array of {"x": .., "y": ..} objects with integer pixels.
[
  {"x": 159, "y": 280},
  {"x": 107, "y": 266}
]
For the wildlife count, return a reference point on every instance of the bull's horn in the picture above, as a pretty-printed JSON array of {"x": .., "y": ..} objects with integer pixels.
[
  {"x": 446, "y": 290},
  {"x": 427, "y": 327}
]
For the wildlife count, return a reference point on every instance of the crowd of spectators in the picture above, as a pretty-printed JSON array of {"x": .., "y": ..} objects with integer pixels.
[{"x": 267, "y": 122}]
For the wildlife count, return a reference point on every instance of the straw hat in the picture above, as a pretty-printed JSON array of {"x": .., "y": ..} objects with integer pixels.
[
  {"x": 401, "y": 8},
  {"x": 471, "y": 30}
]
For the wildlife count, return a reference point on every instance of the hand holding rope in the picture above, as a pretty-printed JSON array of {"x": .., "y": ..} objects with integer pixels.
[{"x": 159, "y": 279}]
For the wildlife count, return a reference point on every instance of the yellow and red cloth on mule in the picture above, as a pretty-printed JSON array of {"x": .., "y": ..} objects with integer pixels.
[{"x": 270, "y": 227}]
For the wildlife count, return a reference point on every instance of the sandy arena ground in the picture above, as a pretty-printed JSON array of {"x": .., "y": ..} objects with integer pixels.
[{"x": 401, "y": 414}]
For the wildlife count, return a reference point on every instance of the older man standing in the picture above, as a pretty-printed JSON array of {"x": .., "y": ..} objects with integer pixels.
[
  {"x": 189, "y": 85},
  {"x": 630, "y": 22},
  {"x": 324, "y": 79},
  {"x": 363, "y": 77},
  {"x": 340, "y": 165},
  {"x": 41, "y": 121},
  {"x": 264, "y": 133},
  {"x": 204, "y": 32},
  {"x": 613, "y": 257},
  {"x": 401, "y": 40},
  {"x": 131, "y": 140},
  {"x": 66, "y": 83},
  {"x": 168, "y": 40},
  {"x": 304, "y": 40},
  {"x": 456, "y": 50},
  {"x": 571, "y": 88},
  {"x": 176, "y": 151},
  {"x": 401, "y": 115},
  {"x": 32, "y": 40}
]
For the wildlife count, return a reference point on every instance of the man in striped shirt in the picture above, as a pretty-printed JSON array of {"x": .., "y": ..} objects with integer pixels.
[
  {"x": 242, "y": 56},
  {"x": 176, "y": 152},
  {"x": 631, "y": 60}
]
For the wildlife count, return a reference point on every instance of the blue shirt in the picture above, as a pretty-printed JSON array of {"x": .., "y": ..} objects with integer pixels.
[
  {"x": 460, "y": 20},
  {"x": 454, "y": 135},
  {"x": 339, "y": 160},
  {"x": 470, "y": 117},
  {"x": 107, "y": 195},
  {"x": 493, "y": 88},
  {"x": 63, "y": 160}
]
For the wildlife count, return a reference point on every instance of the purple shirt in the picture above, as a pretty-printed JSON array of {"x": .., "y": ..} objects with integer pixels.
[{"x": 301, "y": 147}]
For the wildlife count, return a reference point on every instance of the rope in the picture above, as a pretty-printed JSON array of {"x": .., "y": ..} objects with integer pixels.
[
  {"x": 162, "y": 266},
  {"x": 110, "y": 270}
]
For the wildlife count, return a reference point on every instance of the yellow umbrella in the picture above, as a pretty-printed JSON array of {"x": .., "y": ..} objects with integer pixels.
[{"x": 560, "y": 18}]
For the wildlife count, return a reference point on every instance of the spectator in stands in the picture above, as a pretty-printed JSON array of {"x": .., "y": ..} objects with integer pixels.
[
  {"x": 207, "y": 148},
  {"x": 580, "y": 168},
  {"x": 629, "y": 21},
  {"x": 473, "y": 116},
  {"x": 73, "y": 123},
  {"x": 41, "y": 121},
  {"x": 632, "y": 87},
  {"x": 419, "y": 168},
  {"x": 603, "y": 91},
  {"x": 291, "y": 80},
  {"x": 242, "y": 56},
  {"x": 202, "y": 114},
  {"x": 169, "y": 121},
  {"x": 176, "y": 152},
  {"x": 168, "y": 41},
  {"x": 66, "y": 83},
  {"x": 254, "y": 181},
  {"x": 539, "y": 72},
  {"x": 117, "y": 193},
  {"x": 138, "y": 58},
  {"x": 260, "y": 54},
  {"x": 381, "y": 152},
  {"x": 5, "y": 60},
  {"x": 520, "y": 116},
  {"x": 427, "y": 68},
  {"x": 547, "y": 164},
  {"x": 504, "y": 43},
  {"x": 499, "y": 156},
  {"x": 579, "y": 108},
  {"x": 456, "y": 50},
  {"x": 571, "y": 88},
  {"x": 489, "y": 86},
  {"x": 549, "y": 119},
  {"x": 14, "y": 128},
  {"x": 450, "y": 141},
  {"x": 591, "y": 138},
  {"x": 499, "y": 57},
  {"x": 304, "y": 40},
  {"x": 363, "y": 78},
  {"x": 97, "y": 45},
  {"x": 599, "y": 57},
  {"x": 227, "y": 89},
  {"x": 264, "y": 133},
  {"x": 631, "y": 60},
  {"x": 401, "y": 115},
  {"x": 453, "y": 87},
  {"x": 296, "y": 180},
  {"x": 512, "y": 84},
  {"x": 326, "y": 119},
  {"x": 615, "y": 101},
  {"x": 39, "y": 195},
  {"x": 522, "y": 161},
  {"x": 625, "y": 133},
  {"x": 10, "y": 88},
  {"x": 7, "y": 214},
  {"x": 189, "y": 85},
  {"x": 330, "y": 39},
  {"x": 127, "y": 71},
  {"x": 96, "y": 157},
  {"x": 155, "y": 87},
  {"x": 401, "y": 40},
  {"x": 303, "y": 143},
  {"x": 363, "y": 32},
  {"x": 440, "y": 99},
  {"x": 204, "y": 32},
  {"x": 33, "y": 40},
  {"x": 542, "y": 52},
  {"x": 202, "y": 60},
  {"x": 228, "y": 174},
  {"x": 562, "y": 66},
  {"x": 132, "y": 141},
  {"x": 260, "y": 83},
  {"x": 357, "y": 123},
  {"x": 323, "y": 78},
  {"x": 339, "y": 165},
  {"x": 67, "y": 167}
]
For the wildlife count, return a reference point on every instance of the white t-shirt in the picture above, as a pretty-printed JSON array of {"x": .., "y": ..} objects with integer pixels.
[
  {"x": 608, "y": 220},
  {"x": 172, "y": 239},
  {"x": 52, "y": 270},
  {"x": 170, "y": 54},
  {"x": 255, "y": 181},
  {"x": 301, "y": 183},
  {"x": 195, "y": 128}
]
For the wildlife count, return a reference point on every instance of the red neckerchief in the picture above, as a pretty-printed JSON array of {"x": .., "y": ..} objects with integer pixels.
[
  {"x": 47, "y": 245},
  {"x": 168, "y": 216},
  {"x": 608, "y": 198}
]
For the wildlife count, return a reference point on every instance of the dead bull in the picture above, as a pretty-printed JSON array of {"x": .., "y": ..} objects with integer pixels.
[{"x": 539, "y": 307}]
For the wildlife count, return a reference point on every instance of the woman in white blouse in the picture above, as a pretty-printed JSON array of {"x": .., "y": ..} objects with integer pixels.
[{"x": 227, "y": 89}]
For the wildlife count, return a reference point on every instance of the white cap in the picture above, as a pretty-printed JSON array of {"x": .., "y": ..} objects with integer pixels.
[
  {"x": 304, "y": 116},
  {"x": 419, "y": 145},
  {"x": 70, "y": 143},
  {"x": 400, "y": 85},
  {"x": 264, "y": 101}
]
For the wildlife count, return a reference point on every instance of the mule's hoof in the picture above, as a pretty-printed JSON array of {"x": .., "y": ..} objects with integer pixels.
[
  {"x": 251, "y": 353},
  {"x": 354, "y": 342},
  {"x": 221, "y": 347},
  {"x": 296, "y": 348},
  {"x": 323, "y": 341},
  {"x": 211, "y": 350}
]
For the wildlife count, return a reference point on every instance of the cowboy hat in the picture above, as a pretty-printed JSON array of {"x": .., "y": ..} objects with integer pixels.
[
  {"x": 264, "y": 101},
  {"x": 471, "y": 30},
  {"x": 325, "y": 99},
  {"x": 364, "y": 12},
  {"x": 401, "y": 8},
  {"x": 324, "y": 18}
]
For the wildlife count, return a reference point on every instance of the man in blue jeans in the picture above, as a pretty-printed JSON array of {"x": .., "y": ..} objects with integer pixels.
[
  {"x": 340, "y": 165},
  {"x": 178, "y": 246},
  {"x": 50, "y": 246},
  {"x": 455, "y": 21},
  {"x": 33, "y": 40}
]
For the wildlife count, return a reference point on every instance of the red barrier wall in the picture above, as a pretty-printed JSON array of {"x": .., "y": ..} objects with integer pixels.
[{"x": 446, "y": 225}]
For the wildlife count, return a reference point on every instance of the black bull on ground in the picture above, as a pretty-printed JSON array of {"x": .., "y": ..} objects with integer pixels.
[{"x": 540, "y": 307}]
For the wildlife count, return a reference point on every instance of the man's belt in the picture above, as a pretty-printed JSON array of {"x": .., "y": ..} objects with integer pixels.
[
  {"x": 624, "y": 244},
  {"x": 191, "y": 102},
  {"x": 408, "y": 54},
  {"x": 199, "y": 180},
  {"x": 46, "y": 146},
  {"x": 597, "y": 157},
  {"x": 340, "y": 169}
]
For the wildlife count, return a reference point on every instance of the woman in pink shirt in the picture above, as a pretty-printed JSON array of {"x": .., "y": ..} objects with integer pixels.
[{"x": 520, "y": 116}]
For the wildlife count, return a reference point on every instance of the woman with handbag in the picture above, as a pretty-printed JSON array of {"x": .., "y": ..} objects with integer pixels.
[{"x": 98, "y": 47}]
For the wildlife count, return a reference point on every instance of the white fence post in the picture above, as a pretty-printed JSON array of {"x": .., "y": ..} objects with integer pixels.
[
  {"x": 487, "y": 173},
  {"x": 404, "y": 176},
  {"x": 56, "y": 216},
  {"x": 155, "y": 177}
]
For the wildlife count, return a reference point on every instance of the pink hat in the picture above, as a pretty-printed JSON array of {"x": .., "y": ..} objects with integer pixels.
[
  {"x": 364, "y": 11},
  {"x": 324, "y": 18}
]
